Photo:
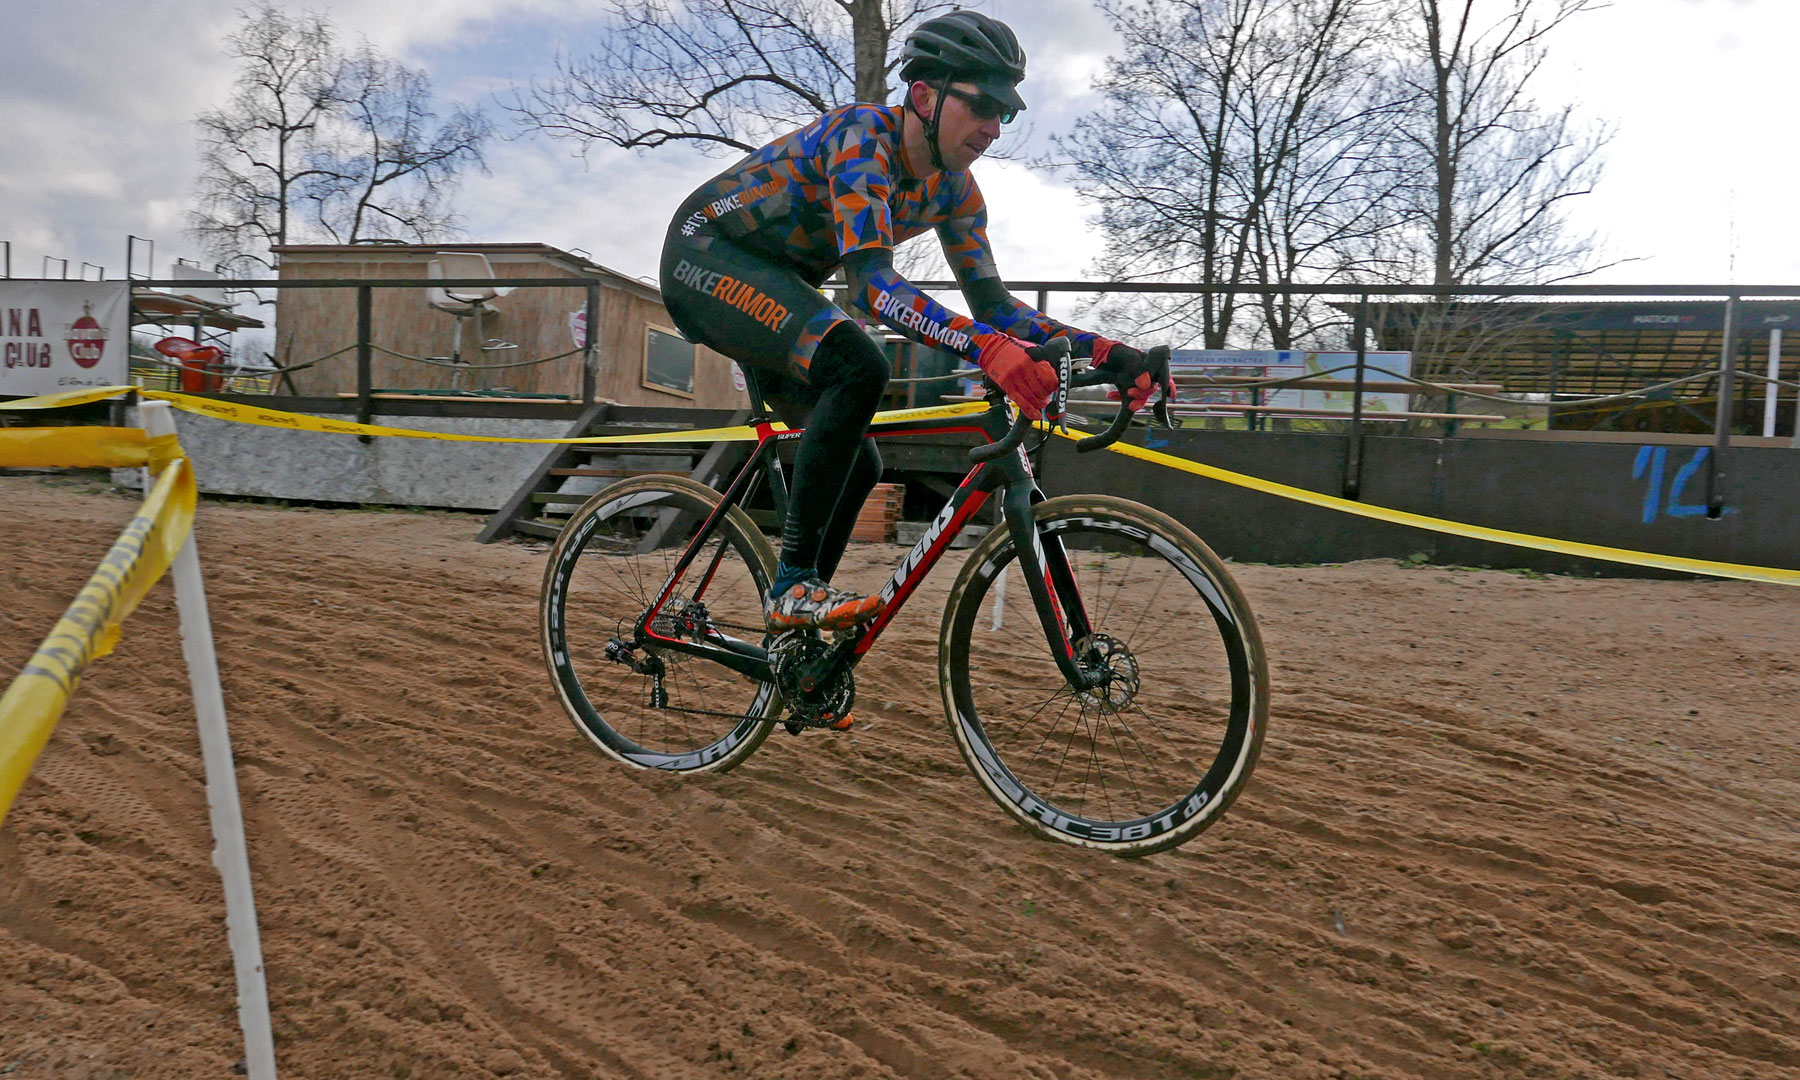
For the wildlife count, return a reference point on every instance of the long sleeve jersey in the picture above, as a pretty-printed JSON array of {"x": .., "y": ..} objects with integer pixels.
[{"x": 834, "y": 193}]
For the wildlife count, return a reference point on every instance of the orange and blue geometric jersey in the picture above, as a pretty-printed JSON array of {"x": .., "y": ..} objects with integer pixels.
[{"x": 834, "y": 193}]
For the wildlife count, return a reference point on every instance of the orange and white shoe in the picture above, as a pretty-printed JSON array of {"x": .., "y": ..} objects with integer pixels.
[{"x": 812, "y": 604}]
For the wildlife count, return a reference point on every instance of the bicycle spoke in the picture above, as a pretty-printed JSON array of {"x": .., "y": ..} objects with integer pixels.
[
  {"x": 1023, "y": 728},
  {"x": 1086, "y": 780},
  {"x": 1066, "y": 746},
  {"x": 1148, "y": 607},
  {"x": 1112, "y": 730}
]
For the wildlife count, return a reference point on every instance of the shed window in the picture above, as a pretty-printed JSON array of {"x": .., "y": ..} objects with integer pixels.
[{"x": 668, "y": 361}]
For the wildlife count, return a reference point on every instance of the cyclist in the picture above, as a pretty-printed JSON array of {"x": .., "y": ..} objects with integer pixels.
[{"x": 747, "y": 252}]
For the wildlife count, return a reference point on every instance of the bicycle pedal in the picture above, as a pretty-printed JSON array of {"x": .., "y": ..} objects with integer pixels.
[{"x": 843, "y": 723}]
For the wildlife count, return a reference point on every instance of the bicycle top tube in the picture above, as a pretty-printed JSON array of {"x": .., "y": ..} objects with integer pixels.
[{"x": 954, "y": 419}]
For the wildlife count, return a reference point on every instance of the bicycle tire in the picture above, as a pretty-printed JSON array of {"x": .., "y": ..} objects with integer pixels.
[
  {"x": 1157, "y": 597},
  {"x": 606, "y": 568}
]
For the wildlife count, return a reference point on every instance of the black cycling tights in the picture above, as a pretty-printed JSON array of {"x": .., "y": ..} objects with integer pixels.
[{"x": 837, "y": 465}]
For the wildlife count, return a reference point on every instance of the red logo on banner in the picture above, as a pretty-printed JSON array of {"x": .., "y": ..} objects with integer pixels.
[{"x": 87, "y": 338}]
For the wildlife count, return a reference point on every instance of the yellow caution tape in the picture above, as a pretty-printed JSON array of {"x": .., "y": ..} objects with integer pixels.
[
  {"x": 1457, "y": 528},
  {"x": 251, "y": 414},
  {"x": 87, "y": 631},
  {"x": 256, "y": 414},
  {"x": 85, "y": 448},
  {"x": 68, "y": 398}
]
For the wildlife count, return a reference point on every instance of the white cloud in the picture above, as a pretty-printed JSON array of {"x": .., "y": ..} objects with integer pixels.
[
  {"x": 98, "y": 141},
  {"x": 1040, "y": 228}
]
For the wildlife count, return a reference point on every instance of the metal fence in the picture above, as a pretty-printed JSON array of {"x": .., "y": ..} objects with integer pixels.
[
  {"x": 1653, "y": 358},
  {"x": 240, "y": 379}
]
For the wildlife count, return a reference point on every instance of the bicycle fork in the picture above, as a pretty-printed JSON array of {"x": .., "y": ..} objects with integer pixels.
[{"x": 1045, "y": 565}]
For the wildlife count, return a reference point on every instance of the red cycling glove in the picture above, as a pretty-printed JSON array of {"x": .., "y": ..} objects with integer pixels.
[
  {"x": 1131, "y": 368},
  {"x": 1027, "y": 382}
]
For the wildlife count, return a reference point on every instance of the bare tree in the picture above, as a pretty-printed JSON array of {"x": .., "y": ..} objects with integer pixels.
[
  {"x": 1229, "y": 149},
  {"x": 720, "y": 74},
  {"x": 319, "y": 143},
  {"x": 385, "y": 166},
  {"x": 253, "y": 151},
  {"x": 1316, "y": 188},
  {"x": 1492, "y": 171}
]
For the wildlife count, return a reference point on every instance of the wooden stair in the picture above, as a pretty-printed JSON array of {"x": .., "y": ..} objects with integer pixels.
[{"x": 569, "y": 474}]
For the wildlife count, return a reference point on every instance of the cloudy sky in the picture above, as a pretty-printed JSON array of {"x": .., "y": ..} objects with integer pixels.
[{"x": 98, "y": 98}]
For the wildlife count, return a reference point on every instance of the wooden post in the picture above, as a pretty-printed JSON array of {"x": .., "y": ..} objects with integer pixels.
[
  {"x": 230, "y": 853},
  {"x": 365, "y": 404}
]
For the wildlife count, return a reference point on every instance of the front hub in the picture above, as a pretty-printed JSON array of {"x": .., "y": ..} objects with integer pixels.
[{"x": 1109, "y": 658}]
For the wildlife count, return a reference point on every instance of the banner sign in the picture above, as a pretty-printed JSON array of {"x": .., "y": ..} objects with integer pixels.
[
  {"x": 1635, "y": 316},
  {"x": 62, "y": 335},
  {"x": 1290, "y": 364}
]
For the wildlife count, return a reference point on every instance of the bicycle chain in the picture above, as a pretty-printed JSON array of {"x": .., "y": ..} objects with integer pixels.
[{"x": 740, "y": 716}]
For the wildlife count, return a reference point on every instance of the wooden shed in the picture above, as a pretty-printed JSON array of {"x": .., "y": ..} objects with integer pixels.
[{"x": 530, "y": 339}]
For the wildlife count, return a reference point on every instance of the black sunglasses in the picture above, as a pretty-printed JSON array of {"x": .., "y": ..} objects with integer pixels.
[{"x": 984, "y": 106}]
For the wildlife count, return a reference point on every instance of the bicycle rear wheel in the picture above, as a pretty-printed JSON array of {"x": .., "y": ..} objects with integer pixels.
[
  {"x": 646, "y": 706},
  {"x": 1155, "y": 755}
]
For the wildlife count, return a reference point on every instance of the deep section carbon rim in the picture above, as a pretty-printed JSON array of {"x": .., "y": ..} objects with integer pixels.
[{"x": 1152, "y": 756}]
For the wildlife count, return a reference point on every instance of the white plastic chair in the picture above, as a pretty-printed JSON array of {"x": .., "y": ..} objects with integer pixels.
[{"x": 464, "y": 302}]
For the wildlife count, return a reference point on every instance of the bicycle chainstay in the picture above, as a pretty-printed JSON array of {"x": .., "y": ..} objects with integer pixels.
[{"x": 787, "y": 653}]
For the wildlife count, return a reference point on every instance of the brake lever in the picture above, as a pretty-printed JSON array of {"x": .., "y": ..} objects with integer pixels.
[
  {"x": 1122, "y": 420},
  {"x": 1058, "y": 416},
  {"x": 1054, "y": 350}
]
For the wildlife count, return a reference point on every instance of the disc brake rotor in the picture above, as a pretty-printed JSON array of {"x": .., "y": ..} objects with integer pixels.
[{"x": 1112, "y": 657}]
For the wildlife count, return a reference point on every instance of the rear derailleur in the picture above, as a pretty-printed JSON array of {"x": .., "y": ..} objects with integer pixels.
[{"x": 651, "y": 664}]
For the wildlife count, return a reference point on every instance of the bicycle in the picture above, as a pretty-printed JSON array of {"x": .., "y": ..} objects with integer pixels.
[{"x": 652, "y": 625}]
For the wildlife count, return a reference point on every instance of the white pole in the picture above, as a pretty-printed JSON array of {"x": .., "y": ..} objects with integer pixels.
[
  {"x": 230, "y": 854},
  {"x": 1772, "y": 391},
  {"x": 999, "y": 597}
]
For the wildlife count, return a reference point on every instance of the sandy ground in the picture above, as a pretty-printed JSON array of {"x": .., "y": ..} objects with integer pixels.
[{"x": 1503, "y": 826}]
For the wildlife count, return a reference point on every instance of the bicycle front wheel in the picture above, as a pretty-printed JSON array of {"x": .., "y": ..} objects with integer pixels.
[
  {"x": 646, "y": 706},
  {"x": 1156, "y": 753}
]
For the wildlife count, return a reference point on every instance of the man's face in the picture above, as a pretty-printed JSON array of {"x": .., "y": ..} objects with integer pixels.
[{"x": 963, "y": 135}]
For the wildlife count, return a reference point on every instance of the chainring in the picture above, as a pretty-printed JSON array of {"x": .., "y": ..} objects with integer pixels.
[{"x": 791, "y": 655}]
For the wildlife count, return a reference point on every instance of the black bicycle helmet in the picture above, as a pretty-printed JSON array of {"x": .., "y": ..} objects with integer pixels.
[{"x": 966, "y": 46}]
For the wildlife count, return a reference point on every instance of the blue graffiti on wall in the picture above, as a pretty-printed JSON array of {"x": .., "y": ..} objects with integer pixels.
[{"x": 1651, "y": 464}]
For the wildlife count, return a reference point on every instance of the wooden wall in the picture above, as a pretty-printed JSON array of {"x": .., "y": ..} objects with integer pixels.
[{"x": 310, "y": 323}]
